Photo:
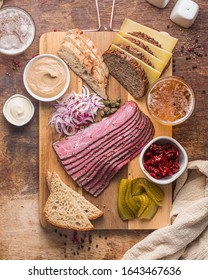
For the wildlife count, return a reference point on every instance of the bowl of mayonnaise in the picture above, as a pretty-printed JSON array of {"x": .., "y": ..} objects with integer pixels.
[{"x": 18, "y": 110}]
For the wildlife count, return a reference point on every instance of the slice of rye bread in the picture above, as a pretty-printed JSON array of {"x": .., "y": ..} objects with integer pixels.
[
  {"x": 86, "y": 49},
  {"x": 127, "y": 72},
  {"x": 135, "y": 52},
  {"x": 55, "y": 184},
  {"x": 62, "y": 210},
  {"x": 86, "y": 40},
  {"x": 82, "y": 67}
]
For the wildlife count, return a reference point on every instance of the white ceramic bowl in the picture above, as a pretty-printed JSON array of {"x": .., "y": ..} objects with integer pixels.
[
  {"x": 183, "y": 160},
  {"x": 25, "y": 104},
  {"x": 57, "y": 96}
]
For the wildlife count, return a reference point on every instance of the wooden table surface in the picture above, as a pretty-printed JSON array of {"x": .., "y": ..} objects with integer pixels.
[{"x": 21, "y": 236}]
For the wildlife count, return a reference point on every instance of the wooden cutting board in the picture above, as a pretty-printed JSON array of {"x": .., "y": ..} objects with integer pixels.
[{"x": 107, "y": 201}]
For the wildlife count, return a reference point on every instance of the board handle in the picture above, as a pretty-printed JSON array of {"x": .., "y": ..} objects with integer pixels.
[
  {"x": 98, "y": 19},
  {"x": 111, "y": 18}
]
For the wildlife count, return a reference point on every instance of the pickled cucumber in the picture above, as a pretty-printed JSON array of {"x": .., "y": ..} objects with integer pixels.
[
  {"x": 138, "y": 198},
  {"x": 144, "y": 202},
  {"x": 150, "y": 210},
  {"x": 141, "y": 184},
  {"x": 124, "y": 211},
  {"x": 131, "y": 203}
]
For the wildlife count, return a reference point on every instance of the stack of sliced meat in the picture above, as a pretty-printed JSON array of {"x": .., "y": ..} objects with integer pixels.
[{"x": 94, "y": 155}]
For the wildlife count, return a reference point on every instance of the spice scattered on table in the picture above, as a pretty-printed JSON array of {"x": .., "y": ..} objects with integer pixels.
[
  {"x": 35, "y": 55},
  {"x": 15, "y": 65},
  {"x": 79, "y": 241}
]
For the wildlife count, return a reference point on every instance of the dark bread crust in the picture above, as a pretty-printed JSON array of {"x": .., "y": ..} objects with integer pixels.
[
  {"x": 145, "y": 37},
  {"x": 135, "y": 52},
  {"x": 127, "y": 71},
  {"x": 140, "y": 44}
]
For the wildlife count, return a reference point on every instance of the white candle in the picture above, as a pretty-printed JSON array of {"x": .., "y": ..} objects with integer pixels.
[
  {"x": 184, "y": 13},
  {"x": 158, "y": 3}
]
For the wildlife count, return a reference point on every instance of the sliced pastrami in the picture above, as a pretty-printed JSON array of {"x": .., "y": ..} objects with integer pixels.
[
  {"x": 100, "y": 186},
  {"x": 115, "y": 152},
  {"x": 86, "y": 161},
  {"x": 106, "y": 168},
  {"x": 98, "y": 146},
  {"x": 74, "y": 144}
]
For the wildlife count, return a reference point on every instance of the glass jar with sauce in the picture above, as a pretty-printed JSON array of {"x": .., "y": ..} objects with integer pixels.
[{"x": 170, "y": 100}]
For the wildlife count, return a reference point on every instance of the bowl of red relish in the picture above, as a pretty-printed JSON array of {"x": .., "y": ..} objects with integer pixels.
[{"x": 163, "y": 160}]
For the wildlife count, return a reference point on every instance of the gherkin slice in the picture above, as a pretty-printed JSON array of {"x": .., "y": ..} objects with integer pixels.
[
  {"x": 144, "y": 202},
  {"x": 140, "y": 185},
  {"x": 131, "y": 203},
  {"x": 124, "y": 211},
  {"x": 138, "y": 198},
  {"x": 150, "y": 210}
]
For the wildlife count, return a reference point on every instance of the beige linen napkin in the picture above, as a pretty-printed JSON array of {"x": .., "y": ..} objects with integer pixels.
[{"x": 187, "y": 236}]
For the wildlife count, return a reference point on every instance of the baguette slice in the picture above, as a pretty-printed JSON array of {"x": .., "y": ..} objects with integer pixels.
[
  {"x": 82, "y": 67},
  {"x": 55, "y": 184},
  {"x": 86, "y": 40},
  {"x": 63, "y": 211},
  {"x": 77, "y": 40},
  {"x": 89, "y": 56}
]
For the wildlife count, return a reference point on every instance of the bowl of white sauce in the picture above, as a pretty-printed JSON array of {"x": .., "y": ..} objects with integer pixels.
[{"x": 18, "y": 110}]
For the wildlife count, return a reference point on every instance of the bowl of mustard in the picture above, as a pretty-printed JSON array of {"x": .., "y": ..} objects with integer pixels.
[{"x": 46, "y": 77}]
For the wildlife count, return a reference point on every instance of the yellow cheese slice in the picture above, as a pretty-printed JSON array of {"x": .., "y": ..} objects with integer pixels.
[
  {"x": 157, "y": 63},
  {"x": 161, "y": 54},
  {"x": 152, "y": 74},
  {"x": 167, "y": 42}
]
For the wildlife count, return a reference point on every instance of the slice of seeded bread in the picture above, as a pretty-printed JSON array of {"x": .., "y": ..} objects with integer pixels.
[
  {"x": 55, "y": 184},
  {"x": 62, "y": 210}
]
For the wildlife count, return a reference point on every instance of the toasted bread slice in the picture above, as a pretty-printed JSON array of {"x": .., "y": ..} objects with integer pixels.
[
  {"x": 55, "y": 184},
  {"x": 63, "y": 211},
  {"x": 86, "y": 40},
  {"x": 85, "y": 49},
  {"x": 83, "y": 67}
]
